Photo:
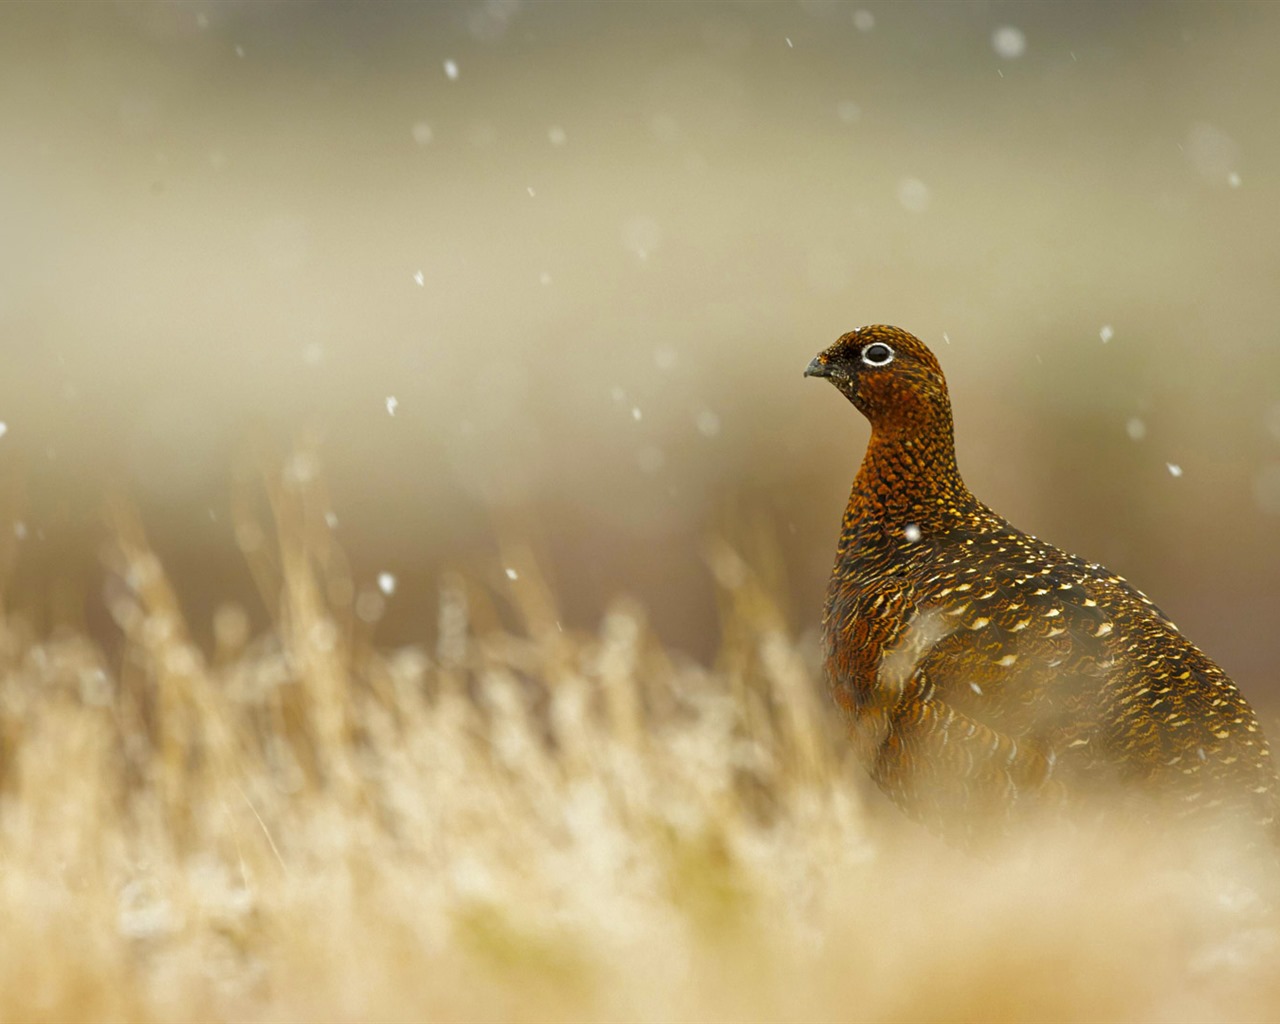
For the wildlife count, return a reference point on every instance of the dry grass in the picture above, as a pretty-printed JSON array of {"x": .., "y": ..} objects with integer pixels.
[{"x": 527, "y": 824}]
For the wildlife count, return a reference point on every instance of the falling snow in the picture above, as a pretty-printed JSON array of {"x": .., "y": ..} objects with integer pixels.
[
  {"x": 1213, "y": 153},
  {"x": 451, "y": 70},
  {"x": 642, "y": 236},
  {"x": 301, "y": 468},
  {"x": 1173, "y": 468},
  {"x": 422, "y": 133},
  {"x": 1136, "y": 428},
  {"x": 1233, "y": 179},
  {"x": 863, "y": 20},
  {"x": 556, "y": 135},
  {"x": 387, "y": 583},
  {"x": 393, "y": 404},
  {"x": 4, "y": 428},
  {"x": 1009, "y": 42},
  {"x": 911, "y": 532},
  {"x": 512, "y": 574},
  {"x": 331, "y": 520},
  {"x": 636, "y": 414},
  {"x": 848, "y": 111},
  {"x": 914, "y": 195},
  {"x": 1106, "y": 333},
  {"x": 708, "y": 423},
  {"x": 664, "y": 358},
  {"x": 419, "y": 278}
]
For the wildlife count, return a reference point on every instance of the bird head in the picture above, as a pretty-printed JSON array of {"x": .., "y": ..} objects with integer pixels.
[{"x": 889, "y": 375}]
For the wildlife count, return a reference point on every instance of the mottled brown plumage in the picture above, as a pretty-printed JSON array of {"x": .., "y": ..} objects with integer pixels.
[{"x": 983, "y": 671}]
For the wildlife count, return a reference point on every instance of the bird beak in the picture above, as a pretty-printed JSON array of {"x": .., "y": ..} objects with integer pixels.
[{"x": 817, "y": 368}]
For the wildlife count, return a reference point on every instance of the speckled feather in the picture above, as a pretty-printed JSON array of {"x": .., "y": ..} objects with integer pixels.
[{"x": 983, "y": 671}]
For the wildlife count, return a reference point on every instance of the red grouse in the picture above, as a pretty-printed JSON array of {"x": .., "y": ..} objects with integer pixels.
[{"x": 984, "y": 672}]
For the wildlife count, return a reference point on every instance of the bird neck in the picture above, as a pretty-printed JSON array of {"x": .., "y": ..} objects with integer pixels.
[{"x": 908, "y": 476}]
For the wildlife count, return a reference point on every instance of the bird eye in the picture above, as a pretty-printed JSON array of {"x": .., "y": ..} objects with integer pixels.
[{"x": 877, "y": 355}]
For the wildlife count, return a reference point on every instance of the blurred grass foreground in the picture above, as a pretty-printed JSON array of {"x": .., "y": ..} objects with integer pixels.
[{"x": 525, "y": 823}]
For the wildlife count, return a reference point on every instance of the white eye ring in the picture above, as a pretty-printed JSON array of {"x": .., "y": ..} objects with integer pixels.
[{"x": 880, "y": 349}]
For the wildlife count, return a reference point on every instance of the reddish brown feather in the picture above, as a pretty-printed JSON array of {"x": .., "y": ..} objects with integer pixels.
[{"x": 983, "y": 671}]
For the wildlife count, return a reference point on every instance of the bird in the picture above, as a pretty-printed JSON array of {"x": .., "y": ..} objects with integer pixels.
[{"x": 985, "y": 675}]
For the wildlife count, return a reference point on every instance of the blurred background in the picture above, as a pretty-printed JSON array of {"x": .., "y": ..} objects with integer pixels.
[{"x": 551, "y": 272}]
